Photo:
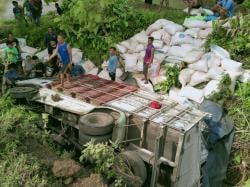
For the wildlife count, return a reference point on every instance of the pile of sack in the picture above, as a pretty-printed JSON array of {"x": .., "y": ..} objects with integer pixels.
[{"x": 176, "y": 44}]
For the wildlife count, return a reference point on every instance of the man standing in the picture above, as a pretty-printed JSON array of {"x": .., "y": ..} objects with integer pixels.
[
  {"x": 17, "y": 10},
  {"x": 112, "y": 63},
  {"x": 49, "y": 37},
  {"x": 148, "y": 58},
  {"x": 64, "y": 51},
  {"x": 36, "y": 7},
  {"x": 11, "y": 53}
]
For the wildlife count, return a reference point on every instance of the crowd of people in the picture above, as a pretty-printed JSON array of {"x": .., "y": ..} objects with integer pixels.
[
  {"x": 222, "y": 8},
  {"x": 31, "y": 10}
]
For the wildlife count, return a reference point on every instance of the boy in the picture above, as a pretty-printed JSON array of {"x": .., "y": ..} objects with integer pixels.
[
  {"x": 11, "y": 53},
  {"x": 148, "y": 58},
  {"x": 17, "y": 10},
  {"x": 112, "y": 63},
  {"x": 27, "y": 66}
]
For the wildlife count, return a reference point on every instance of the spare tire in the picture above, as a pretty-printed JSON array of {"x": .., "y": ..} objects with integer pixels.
[
  {"x": 84, "y": 138},
  {"x": 23, "y": 92},
  {"x": 96, "y": 123},
  {"x": 135, "y": 163}
]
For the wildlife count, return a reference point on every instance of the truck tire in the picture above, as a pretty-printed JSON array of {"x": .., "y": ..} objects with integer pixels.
[
  {"x": 23, "y": 92},
  {"x": 136, "y": 164},
  {"x": 96, "y": 123},
  {"x": 84, "y": 138}
]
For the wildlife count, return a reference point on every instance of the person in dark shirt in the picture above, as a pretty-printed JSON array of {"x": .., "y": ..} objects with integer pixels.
[
  {"x": 148, "y": 3},
  {"x": 39, "y": 68},
  {"x": 50, "y": 36},
  {"x": 53, "y": 63},
  {"x": 58, "y": 9},
  {"x": 17, "y": 10},
  {"x": 76, "y": 70}
]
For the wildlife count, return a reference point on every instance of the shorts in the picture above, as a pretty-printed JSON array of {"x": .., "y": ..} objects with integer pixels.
[
  {"x": 145, "y": 68},
  {"x": 65, "y": 69}
]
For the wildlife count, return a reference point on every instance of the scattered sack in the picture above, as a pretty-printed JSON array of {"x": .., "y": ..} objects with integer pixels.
[
  {"x": 211, "y": 88},
  {"x": 192, "y": 93},
  {"x": 199, "y": 43},
  {"x": 130, "y": 62},
  {"x": 154, "y": 69},
  {"x": 133, "y": 48},
  {"x": 193, "y": 56},
  {"x": 166, "y": 38},
  {"x": 22, "y": 42},
  {"x": 212, "y": 60},
  {"x": 141, "y": 37},
  {"x": 245, "y": 77},
  {"x": 164, "y": 49},
  {"x": 185, "y": 76},
  {"x": 194, "y": 11},
  {"x": 216, "y": 73},
  {"x": 231, "y": 65},
  {"x": 163, "y": 22},
  {"x": 178, "y": 51},
  {"x": 121, "y": 48},
  {"x": 158, "y": 44},
  {"x": 158, "y": 79},
  {"x": 234, "y": 77},
  {"x": 42, "y": 55},
  {"x": 172, "y": 28},
  {"x": 194, "y": 32},
  {"x": 77, "y": 57},
  {"x": 145, "y": 87},
  {"x": 140, "y": 48},
  {"x": 29, "y": 50},
  {"x": 191, "y": 23},
  {"x": 205, "y": 32},
  {"x": 201, "y": 65},
  {"x": 198, "y": 77},
  {"x": 157, "y": 35},
  {"x": 159, "y": 58},
  {"x": 181, "y": 38},
  {"x": 174, "y": 60},
  {"x": 126, "y": 44},
  {"x": 88, "y": 66},
  {"x": 139, "y": 66},
  {"x": 220, "y": 52},
  {"x": 94, "y": 71},
  {"x": 154, "y": 27}
]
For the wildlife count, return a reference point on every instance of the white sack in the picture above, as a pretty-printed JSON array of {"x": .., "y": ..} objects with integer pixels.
[
  {"x": 121, "y": 48},
  {"x": 130, "y": 62},
  {"x": 209, "y": 24},
  {"x": 164, "y": 49},
  {"x": 216, "y": 73},
  {"x": 189, "y": 47},
  {"x": 195, "y": 24},
  {"x": 125, "y": 43},
  {"x": 158, "y": 79},
  {"x": 194, "y": 11},
  {"x": 198, "y": 77},
  {"x": 194, "y": 32},
  {"x": 212, "y": 60},
  {"x": 178, "y": 51},
  {"x": 141, "y": 37},
  {"x": 234, "y": 77},
  {"x": 163, "y": 22},
  {"x": 42, "y": 55},
  {"x": 211, "y": 88},
  {"x": 146, "y": 87},
  {"x": 231, "y": 65},
  {"x": 199, "y": 43},
  {"x": 158, "y": 44},
  {"x": 172, "y": 28},
  {"x": 159, "y": 57},
  {"x": 75, "y": 50},
  {"x": 104, "y": 74},
  {"x": 207, "y": 12},
  {"x": 88, "y": 66},
  {"x": 220, "y": 52},
  {"x": 157, "y": 35},
  {"x": 94, "y": 71},
  {"x": 193, "y": 56},
  {"x": 77, "y": 57},
  {"x": 133, "y": 48},
  {"x": 139, "y": 66},
  {"x": 245, "y": 77},
  {"x": 166, "y": 38},
  {"x": 140, "y": 56},
  {"x": 201, "y": 65},
  {"x": 22, "y": 41},
  {"x": 174, "y": 60},
  {"x": 29, "y": 50},
  {"x": 24, "y": 55},
  {"x": 192, "y": 93},
  {"x": 181, "y": 38},
  {"x": 139, "y": 48},
  {"x": 205, "y": 32},
  {"x": 185, "y": 76},
  {"x": 154, "y": 27},
  {"x": 154, "y": 70}
]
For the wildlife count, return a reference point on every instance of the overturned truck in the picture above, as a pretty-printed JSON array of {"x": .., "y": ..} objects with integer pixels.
[{"x": 164, "y": 143}]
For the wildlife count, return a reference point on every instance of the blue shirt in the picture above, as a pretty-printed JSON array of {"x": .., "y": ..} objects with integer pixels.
[
  {"x": 11, "y": 75},
  {"x": 113, "y": 61},
  {"x": 228, "y": 5},
  {"x": 63, "y": 53},
  {"x": 77, "y": 70}
]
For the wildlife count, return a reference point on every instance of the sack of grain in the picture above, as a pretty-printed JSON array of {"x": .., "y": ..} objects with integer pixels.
[
  {"x": 157, "y": 35},
  {"x": 130, "y": 62},
  {"x": 216, "y": 73},
  {"x": 121, "y": 48},
  {"x": 211, "y": 87},
  {"x": 200, "y": 65},
  {"x": 185, "y": 76},
  {"x": 198, "y": 77},
  {"x": 172, "y": 28},
  {"x": 166, "y": 38},
  {"x": 193, "y": 56},
  {"x": 194, "y": 32},
  {"x": 181, "y": 38},
  {"x": 219, "y": 51},
  {"x": 231, "y": 65},
  {"x": 192, "y": 93}
]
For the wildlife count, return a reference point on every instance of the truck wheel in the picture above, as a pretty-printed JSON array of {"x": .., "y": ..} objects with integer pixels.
[
  {"x": 136, "y": 164},
  {"x": 23, "y": 92},
  {"x": 84, "y": 138},
  {"x": 96, "y": 123}
]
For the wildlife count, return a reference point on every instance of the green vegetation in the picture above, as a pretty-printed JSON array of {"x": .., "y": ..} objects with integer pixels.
[
  {"x": 171, "y": 74},
  {"x": 236, "y": 39},
  {"x": 17, "y": 166}
]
